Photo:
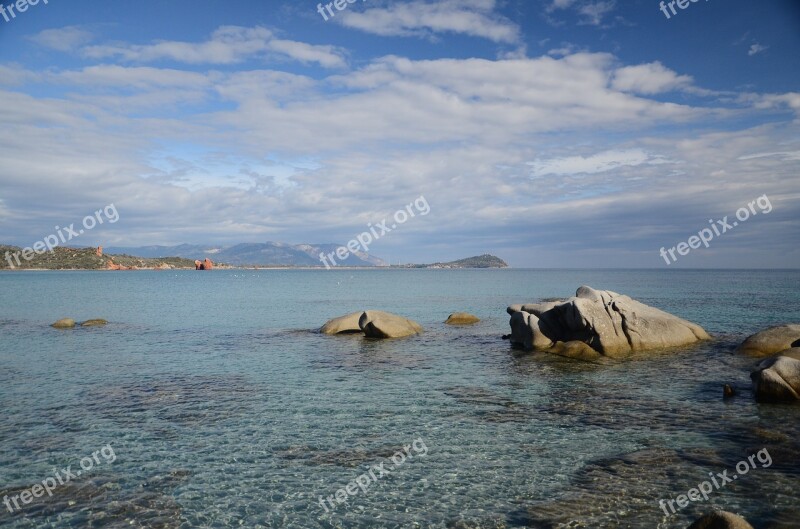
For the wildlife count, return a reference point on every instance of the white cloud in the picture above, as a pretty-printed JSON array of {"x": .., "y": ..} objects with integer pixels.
[
  {"x": 228, "y": 45},
  {"x": 295, "y": 158},
  {"x": 648, "y": 79},
  {"x": 63, "y": 39},
  {"x": 756, "y": 49},
  {"x": 595, "y": 163},
  {"x": 415, "y": 18},
  {"x": 591, "y": 12}
]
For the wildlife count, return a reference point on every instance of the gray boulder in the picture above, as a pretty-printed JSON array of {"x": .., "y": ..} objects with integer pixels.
[
  {"x": 343, "y": 324},
  {"x": 771, "y": 341},
  {"x": 720, "y": 520},
  {"x": 777, "y": 379},
  {"x": 611, "y": 324},
  {"x": 378, "y": 324}
]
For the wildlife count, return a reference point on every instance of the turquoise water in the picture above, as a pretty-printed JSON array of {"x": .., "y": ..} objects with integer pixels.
[{"x": 225, "y": 408}]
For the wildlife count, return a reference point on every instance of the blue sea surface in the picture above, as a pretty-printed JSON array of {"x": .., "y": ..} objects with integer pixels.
[{"x": 225, "y": 407}]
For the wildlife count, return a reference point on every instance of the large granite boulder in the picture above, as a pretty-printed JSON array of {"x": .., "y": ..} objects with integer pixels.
[
  {"x": 772, "y": 340},
  {"x": 611, "y": 324},
  {"x": 343, "y": 324},
  {"x": 777, "y": 379},
  {"x": 720, "y": 520},
  {"x": 378, "y": 324}
]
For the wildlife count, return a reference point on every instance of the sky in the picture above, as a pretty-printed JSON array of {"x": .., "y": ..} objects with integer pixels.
[{"x": 551, "y": 133}]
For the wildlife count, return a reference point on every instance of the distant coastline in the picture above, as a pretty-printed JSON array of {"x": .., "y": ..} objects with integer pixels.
[{"x": 94, "y": 259}]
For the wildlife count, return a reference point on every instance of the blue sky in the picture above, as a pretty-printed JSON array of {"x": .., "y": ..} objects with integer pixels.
[{"x": 557, "y": 133}]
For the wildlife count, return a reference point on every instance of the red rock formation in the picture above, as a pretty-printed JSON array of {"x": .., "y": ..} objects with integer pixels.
[
  {"x": 208, "y": 264},
  {"x": 114, "y": 266},
  {"x": 99, "y": 251},
  {"x": 197, "y": 264}
]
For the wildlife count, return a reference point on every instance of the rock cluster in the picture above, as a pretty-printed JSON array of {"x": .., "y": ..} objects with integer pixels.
[{"x": 69, "y": 323}]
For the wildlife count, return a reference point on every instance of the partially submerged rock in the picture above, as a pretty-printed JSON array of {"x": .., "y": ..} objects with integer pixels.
[
  {"x": 607, "y": 323},
  {"x": 462, "y": 318},
  {"x": 64, "y": 323},
  {"x": 343, "y": 324},
  {"x": 772, "y": 340},
  {"x": 378, "y": 324},
  {"x": 94, "y": 323},
  {"x": 777, "y": 379},
  {"x": 374, "y": 324},
  {"x": 720, "y": 520}
]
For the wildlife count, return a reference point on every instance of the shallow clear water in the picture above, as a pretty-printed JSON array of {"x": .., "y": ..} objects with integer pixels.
[{"x": 225, "y": 409}]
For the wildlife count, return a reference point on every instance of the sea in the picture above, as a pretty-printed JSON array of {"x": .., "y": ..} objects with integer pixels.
[{"x": 210, "y": 400}]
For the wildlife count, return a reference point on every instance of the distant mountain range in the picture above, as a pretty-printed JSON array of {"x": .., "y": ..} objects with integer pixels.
[{"x": 252, "y": 254}]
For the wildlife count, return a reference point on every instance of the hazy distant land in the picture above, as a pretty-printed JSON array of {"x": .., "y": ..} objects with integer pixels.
[{"x": 267, "y": 255}]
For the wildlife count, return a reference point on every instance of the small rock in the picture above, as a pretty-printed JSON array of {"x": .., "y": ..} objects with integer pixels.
[
  {"x": 721, "y": 520},
  {"x": 64, "y": 323},
  {"x": 728, "y": 391},
  {"x": 462, "y": 318},
  {"x": 94, "y": 323}
]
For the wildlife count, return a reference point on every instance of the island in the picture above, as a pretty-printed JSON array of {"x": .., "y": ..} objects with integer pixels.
[{"x": 479, "y": 261}]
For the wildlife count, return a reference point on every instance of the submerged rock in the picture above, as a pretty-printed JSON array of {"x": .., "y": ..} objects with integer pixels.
[
  {"x": 94, "y": 323},
  {"x": 64, "y": 323},
  {"x": 608, "y": 323},
  {"x": 462, "y": 318},
  {"x": 777, "y": 379},
  {"x": 720, "y": 520},
  {"x": 378, "y": 324},
  {"x": 772, "y": 340}
]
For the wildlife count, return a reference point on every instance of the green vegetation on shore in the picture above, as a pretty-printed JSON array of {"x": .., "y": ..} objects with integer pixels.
[{"x": 62, "y": 258}]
